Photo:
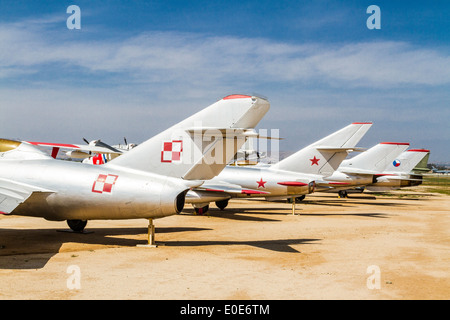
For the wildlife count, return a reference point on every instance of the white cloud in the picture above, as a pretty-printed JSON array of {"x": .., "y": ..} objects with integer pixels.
[
  {"x": 163, "y": 57},
  {"x": 138, "y": 85}
]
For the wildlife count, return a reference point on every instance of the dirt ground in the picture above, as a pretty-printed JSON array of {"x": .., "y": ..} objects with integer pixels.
[{"x": 362, "y": 247}]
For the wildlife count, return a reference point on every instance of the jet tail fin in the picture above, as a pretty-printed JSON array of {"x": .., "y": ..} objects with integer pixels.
[
  {"x": 422, "y": 166},
  {"x": 376, "y": 159},
  {"x": 199, "y": 147},
  {"x": 325, "y": 156},
  {"x": 407, "y": 161}
]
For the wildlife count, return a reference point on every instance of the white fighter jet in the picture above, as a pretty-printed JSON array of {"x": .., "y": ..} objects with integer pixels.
[
  {"x": 398, "y": 174},
  {"x": 387, "y": 164},
  {"x": 149, "y": 181},
  {"x": 364, "y": 168},
  {"x": 290, "y": 178}
]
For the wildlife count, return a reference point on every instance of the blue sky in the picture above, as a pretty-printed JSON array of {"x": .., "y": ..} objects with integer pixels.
[{"x": 136, "y": 67}]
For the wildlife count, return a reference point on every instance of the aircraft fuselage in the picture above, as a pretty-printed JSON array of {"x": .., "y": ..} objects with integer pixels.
[{"x": 86, "y": 192}]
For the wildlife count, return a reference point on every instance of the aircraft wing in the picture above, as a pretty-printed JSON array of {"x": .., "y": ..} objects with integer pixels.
[
  {"x": 323, "y": 184},
  {"x": 78, "y": 150},
  {"x": 400, "y": 177},
  {"x": 12, "y": 194},
  {"x": 224, "y": 187},
  {"x": 355, "y": 171},
  {"x": 216, "y": 191}
]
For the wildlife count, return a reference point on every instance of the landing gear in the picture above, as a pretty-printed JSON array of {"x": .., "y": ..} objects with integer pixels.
[
  {"x": 343, "y": 194},
  {"x": 296, "y": 199},
  {"x": 201, "y": 210},
  {"x": 77, "y": 225},
  {"x": 222, "y": 204}
]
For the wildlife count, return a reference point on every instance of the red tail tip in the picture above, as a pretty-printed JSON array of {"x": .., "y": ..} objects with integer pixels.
[{"x": 236, "y": 96}]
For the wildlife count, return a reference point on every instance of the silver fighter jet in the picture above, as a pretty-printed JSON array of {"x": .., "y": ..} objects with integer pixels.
[
  {"x": 293, "y": 177},
  {"x": 149, "y": 181}
]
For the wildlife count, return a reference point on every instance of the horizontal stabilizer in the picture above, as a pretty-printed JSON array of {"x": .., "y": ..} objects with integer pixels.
[
  {"x": 334, "y": 149},
  {"x": 249, "y": 133}
]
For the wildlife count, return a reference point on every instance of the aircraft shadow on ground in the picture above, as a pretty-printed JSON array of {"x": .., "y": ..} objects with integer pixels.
[
  {"x": 350, "y": 214},
  {"x": 241, "y": 214},
  {"x": 344, "y": 203},
  {"x": 31, "y": 249},
  {"x": 253, "y": 214},
  {"x": 329, "y": 201},
  {"x": 376, "y": 199},
  {"x": 283, "y": 245}
]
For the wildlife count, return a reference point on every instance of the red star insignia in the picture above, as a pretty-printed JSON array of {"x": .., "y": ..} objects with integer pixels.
[
  {"x": 261, "y": 183},
  {"x": 314, "y": 161}
]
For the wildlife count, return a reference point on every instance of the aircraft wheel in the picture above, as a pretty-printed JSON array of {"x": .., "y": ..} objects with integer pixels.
[
  {"x": 343, "y": 194},
  {"x": 222, "y": 204},
  {"x": 202, "y": 210},
  {"x": 77, "y": 225},
  {"x": 301, "y": 198}
]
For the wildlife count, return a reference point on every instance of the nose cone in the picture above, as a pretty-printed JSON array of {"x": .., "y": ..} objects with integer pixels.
[{"x": 254, "y": 113}]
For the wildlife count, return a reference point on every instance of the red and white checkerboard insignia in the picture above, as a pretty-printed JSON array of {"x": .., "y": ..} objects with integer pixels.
[
  {"x": 104, "y": 183},
  {"x": 171, "y": 151}
]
